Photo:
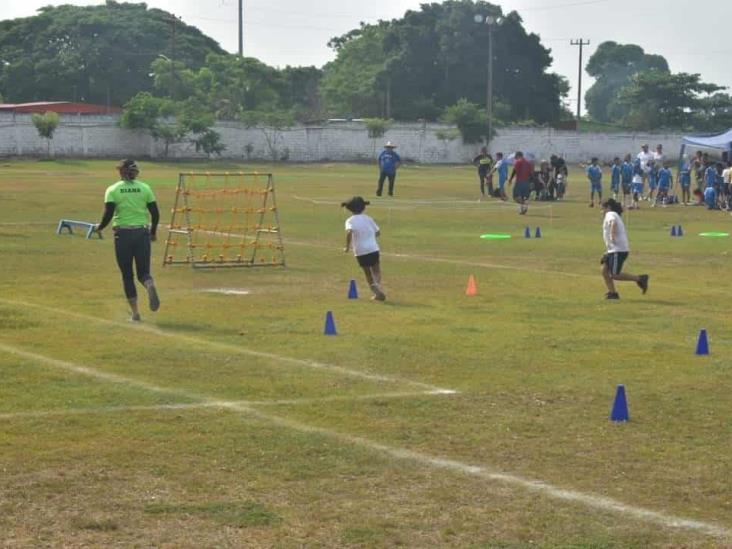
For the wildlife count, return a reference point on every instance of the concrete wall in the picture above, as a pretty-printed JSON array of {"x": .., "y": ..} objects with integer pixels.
[{"x": 100, "y": 136}]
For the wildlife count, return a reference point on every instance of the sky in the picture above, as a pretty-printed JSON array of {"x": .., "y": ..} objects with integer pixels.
[{"x": 296, "y": 32}]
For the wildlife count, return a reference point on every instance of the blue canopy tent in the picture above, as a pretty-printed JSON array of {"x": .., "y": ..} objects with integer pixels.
[{"x": 721, "y": 142}]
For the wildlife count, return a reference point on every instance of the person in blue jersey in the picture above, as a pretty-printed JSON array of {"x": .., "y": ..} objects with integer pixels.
[
  {"x": 685, "y": 182},
  {"x": 664, "y": 179},
  {"x": 710, "y": 186},
  {"x": 594, "y": 174},
  {"x": 389, "y": 162},
  {"x": 652, "y": 179},
  {"x": 636, "y": 187},
  {"x": 626, "y": 179},
  {"x": 501, "y": 167},
  {"x": 615, "y": 173}
]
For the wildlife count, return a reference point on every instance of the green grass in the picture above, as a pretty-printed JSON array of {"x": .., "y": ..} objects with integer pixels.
[{"x": 311, "y": 447}]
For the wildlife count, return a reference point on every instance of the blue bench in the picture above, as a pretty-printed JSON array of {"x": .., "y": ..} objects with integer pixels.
[{"x": 70, "y": 224}]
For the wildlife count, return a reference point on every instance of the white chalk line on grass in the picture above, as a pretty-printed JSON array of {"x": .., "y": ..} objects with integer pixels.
[
  {"x": 457, "y": 204},
  {"x": 192, "y": 406},
  {"x": 485, "y": 473},
  {"x": 229, "y": 348}
]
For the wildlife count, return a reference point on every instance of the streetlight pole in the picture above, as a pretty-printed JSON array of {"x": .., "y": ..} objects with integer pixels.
[
  {"x": 580, "y": 42},
  {"x": 490, "y": 22},
  {"x": 241, "y": 28}
]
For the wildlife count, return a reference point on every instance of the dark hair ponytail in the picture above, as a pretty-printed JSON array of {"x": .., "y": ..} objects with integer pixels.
[
  {"x": 128, "y": 170},
  {"x": 613, "y": 205}
]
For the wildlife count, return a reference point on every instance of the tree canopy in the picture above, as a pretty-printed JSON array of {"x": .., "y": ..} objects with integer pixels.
[
  {"x": 93, "y": 53},
  {"x": 639, "y": 91},
  {"x": 613, "y": 66},
  {"x": 416, "y": 66}
]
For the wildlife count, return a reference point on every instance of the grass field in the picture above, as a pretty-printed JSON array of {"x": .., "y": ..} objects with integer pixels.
[{"x": 432, "y": 419}]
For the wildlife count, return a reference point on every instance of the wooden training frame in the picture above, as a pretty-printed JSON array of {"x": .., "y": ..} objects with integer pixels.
[{"x": 225, "y": 219}]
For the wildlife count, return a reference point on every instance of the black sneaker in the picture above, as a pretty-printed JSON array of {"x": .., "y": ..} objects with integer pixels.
[
  {"x": 643, "y": 283},
  {"x": 154, "y": 300},
  {"x": 612, "y": 295}
]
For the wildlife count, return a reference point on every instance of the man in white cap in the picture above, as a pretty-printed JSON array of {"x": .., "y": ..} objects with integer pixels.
[{"x": 389, "y": 162}]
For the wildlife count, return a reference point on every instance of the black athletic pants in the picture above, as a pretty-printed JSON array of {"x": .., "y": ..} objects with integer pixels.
[
  {"x": 132, "y": 245},
  {"x": 382, "y": 177}
]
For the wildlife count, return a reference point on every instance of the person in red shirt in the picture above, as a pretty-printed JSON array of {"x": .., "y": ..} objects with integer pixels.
[{"x": 522, "y": 171}]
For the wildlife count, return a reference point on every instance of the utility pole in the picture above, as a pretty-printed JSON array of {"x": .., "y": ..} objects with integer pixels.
[
  {"x": 490, "y": 21},
  {"x": 241, "y": 28},
  {"x": 579, "y": 42}
]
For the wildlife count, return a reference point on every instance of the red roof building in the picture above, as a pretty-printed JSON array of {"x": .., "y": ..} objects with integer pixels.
[{"x": 61, "y": 107}]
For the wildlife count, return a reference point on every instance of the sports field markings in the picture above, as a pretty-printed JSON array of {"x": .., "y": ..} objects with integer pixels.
[
  {"x": 230, "y": 348},
  {"x": 486, "y": 473},
  {"x": 61, "y": 412}
]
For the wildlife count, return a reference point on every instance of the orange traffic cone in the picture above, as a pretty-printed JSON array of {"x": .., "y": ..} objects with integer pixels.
[{"x": 472, "y": 288}]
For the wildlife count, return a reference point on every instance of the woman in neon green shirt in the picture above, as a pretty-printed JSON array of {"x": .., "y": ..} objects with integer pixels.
[{"x": 127, "y": 204}]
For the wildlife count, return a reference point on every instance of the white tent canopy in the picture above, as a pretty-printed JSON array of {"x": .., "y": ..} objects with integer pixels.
[{"x": 721, "y": 142}]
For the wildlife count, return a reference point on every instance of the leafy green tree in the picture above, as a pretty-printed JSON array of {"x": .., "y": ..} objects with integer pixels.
[
  {"x": 714, "y": 113},
  {"x": 272, "y": 125},
  {"x": 376, "y": 128},
  {"x": 46, "y": 125},
  {"x": 93, "y": 53},
  {"x": 660, "y": 100},
  {"x": 352, "y": 84},
  {"x": 469, "y": 119},
  {"x": 416, "y": 66},
  {"x": 300, "y": 92},
  {"x": 613, "y": 66},
  {"x": 172, "y": 121}
]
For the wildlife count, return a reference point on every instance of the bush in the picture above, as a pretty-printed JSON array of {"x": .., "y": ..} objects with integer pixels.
[{"x": 469, "y": 119}]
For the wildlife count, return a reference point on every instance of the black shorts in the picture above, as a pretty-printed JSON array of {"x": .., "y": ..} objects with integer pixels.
[
  {"x": 368, "y": 260},
  {"x": 614, "y": 261}
]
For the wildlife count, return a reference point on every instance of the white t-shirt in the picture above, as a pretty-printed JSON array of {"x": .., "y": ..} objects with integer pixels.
[
  {"x": 363, "y": 230},
  {"x": 659, "y": 158},
  {"x": 645, "y": 158},
  {"x": 727, "y": 175},
  {"x": 621, "y": 237}
]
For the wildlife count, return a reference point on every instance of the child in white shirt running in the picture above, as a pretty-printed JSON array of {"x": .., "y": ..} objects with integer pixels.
[{"x": 361, "y": 234}]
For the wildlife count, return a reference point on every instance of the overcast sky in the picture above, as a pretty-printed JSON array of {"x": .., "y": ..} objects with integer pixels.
[{"x": 695, "y": 38}]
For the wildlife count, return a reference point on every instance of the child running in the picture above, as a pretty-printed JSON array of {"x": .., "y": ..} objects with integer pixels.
[
  {"x": 361, "y": 234},
  {"x": 616, "y": 244},
  {"x": 594, "y": 174}
]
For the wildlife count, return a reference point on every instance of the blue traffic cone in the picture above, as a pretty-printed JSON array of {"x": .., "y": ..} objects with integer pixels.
[
  {"x": 352, "y": 291},
  {"x": 538, "y": 233},
  {"x": 330, "y": 329},
  {"x": 702, "y": 345},
  {"x": 527, "y": 232},
  {"x": 673, "y": 231},
  {"x": 679, "y": 231},
  {"x": 620, "y": 406}
]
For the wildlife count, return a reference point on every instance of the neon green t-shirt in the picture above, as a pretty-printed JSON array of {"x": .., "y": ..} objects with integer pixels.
[{"x": 131, "y": 199}]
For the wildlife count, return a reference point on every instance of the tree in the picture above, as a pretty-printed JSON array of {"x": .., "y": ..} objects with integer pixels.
[
  {"x": 93, "y": 53},
  {"x": 613, "y": 66},
  {"x": 46, "y": 125},
  {"x": 271, "y": 124},
  {"x": 172, "y": 121},
  {"x": 469, "y": 119},
  {"x": 352, "y": 83},
  {"x": 416, "y": 66},
  {"x": 376, "y": 128},
  {"x": 660, "y": 100}
]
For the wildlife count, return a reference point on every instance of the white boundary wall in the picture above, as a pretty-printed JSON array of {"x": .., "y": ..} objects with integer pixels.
[{"x": 101, "y": 137}]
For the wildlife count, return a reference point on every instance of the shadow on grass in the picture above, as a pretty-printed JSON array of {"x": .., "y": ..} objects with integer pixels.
[
  {"x": 198, "y": 329},
  {"x": 237, "y": 514}
]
